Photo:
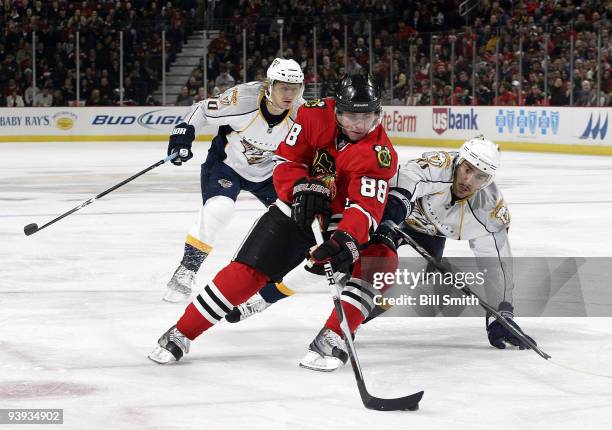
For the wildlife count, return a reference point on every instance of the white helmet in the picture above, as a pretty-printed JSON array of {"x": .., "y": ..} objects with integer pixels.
[
  {"x": 482, "y": 154},
  {"x": 284, "y": 71}
]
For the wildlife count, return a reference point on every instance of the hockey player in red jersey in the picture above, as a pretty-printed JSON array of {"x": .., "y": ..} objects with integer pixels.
[{"x": 334, "y": 164}]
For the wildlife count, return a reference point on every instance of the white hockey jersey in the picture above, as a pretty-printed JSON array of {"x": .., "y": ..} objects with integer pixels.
[
  {"x": 251, "y": 142},
  {"x": 482, "y": 218}
]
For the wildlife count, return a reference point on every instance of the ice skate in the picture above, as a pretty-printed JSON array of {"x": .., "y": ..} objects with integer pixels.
[
  {"x": 171, "y": 346},
  {"x": 180, "y": 286},
  {"x": 254, "y": 305},
  {"x": 326, "y": 353}
]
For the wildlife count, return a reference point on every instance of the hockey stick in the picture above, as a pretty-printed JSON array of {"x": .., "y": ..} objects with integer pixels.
[
  {"x": 33, "y": 228},
  {"x": 411, "y": 402},
  {"x": 468, "y": 292}
]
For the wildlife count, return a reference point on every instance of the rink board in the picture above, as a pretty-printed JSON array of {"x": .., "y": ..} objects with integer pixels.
[{"x": 540, "y": 129}]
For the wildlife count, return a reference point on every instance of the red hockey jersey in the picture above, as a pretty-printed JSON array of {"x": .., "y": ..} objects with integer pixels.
[{"x": 314, "y": 147}]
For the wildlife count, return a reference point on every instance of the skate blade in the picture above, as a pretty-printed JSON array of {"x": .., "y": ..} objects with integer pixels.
[
  {"x": 314, "y": 361},
  {"x": 173, "y": 296},
  {"x": 161, "y": 356}
]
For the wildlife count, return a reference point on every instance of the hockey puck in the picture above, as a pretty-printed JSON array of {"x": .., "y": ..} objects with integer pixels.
[{"x": 30, "y": 229}]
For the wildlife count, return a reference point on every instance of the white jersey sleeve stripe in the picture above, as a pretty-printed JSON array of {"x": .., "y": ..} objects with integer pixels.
[{"x": 372, "y": 223}]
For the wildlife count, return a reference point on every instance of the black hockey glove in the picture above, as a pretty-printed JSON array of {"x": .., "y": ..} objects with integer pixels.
[
  {"x": 181, "y": 138},
  {"x": 398, "y": 206},
  {"x": 311, "y": 198},
  {"x": 341, "y": 250},
  {"x": 387, "y": 235},
  {"x": 499, "y": 335}
]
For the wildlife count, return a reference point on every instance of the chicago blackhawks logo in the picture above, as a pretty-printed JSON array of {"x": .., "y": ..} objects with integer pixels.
[
  {"x": 316, "y": 103},
  {"x": 383, "y": 156},
  {"x": 323, "y": 164}
]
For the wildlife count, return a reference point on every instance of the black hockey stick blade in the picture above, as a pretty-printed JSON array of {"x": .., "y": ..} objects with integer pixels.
[
  {"x": 30, "y": 229},
  {"x": 407, "y": 403}
]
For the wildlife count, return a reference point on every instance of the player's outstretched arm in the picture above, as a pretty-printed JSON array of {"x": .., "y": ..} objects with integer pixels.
[{"x": 221, "y": 111}]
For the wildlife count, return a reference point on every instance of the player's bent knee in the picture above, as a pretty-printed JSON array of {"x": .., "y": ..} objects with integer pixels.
[
  {"x": 215, "y": 216},
  {"x": 238, "y": 282},
  {"x": 375, "y": 259},
  {"x": 274, "y": 246}
]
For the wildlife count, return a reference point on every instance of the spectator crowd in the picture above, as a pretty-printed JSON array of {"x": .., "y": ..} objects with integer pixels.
[
  {"x": 55, "y": 25},
  {"x": 527, "y": 52}
]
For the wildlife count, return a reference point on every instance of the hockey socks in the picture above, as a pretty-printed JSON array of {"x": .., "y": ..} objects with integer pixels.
[
  {"x": 195, "y": 253},
  {"x": 354, "y": 317},
  {"x": 378, "y": 258},
  {"x": 272, "y": 292},
  {"x": 376, "y": 312},
  {"x": 231, "y": 286}
]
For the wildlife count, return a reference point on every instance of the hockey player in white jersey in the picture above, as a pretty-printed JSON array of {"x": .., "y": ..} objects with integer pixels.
[
  {"x": 438, "y": 196},
  {"x": 253, "y": 118}
]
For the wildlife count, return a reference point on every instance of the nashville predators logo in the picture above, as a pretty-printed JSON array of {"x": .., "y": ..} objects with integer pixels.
[
  {"x": 383, "y": 156},
  {"x": 253, "y": 154},
  {"x": 323, "y": 164},
  {"x": 419, "y": 222},
  {"x": 437, "y": 159},
  {"x": 229, "y": 97},
  {"x": 501, "y": 212},
  {"x": 225, "y": 183}
]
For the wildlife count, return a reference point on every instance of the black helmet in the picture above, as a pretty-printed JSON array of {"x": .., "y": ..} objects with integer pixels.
[{"x": 357, "y": 93}]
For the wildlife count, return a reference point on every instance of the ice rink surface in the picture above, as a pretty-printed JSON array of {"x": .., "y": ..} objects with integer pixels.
[{"x": 80, "y": 309}]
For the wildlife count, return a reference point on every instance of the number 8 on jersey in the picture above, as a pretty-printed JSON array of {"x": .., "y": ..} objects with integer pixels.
[{"x": 293, "y": 134}]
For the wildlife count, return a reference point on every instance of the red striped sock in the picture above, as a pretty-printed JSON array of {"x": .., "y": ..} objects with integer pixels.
[
  {"x": 353, "y": 316},
  {"x": 236, "y": 283}
]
